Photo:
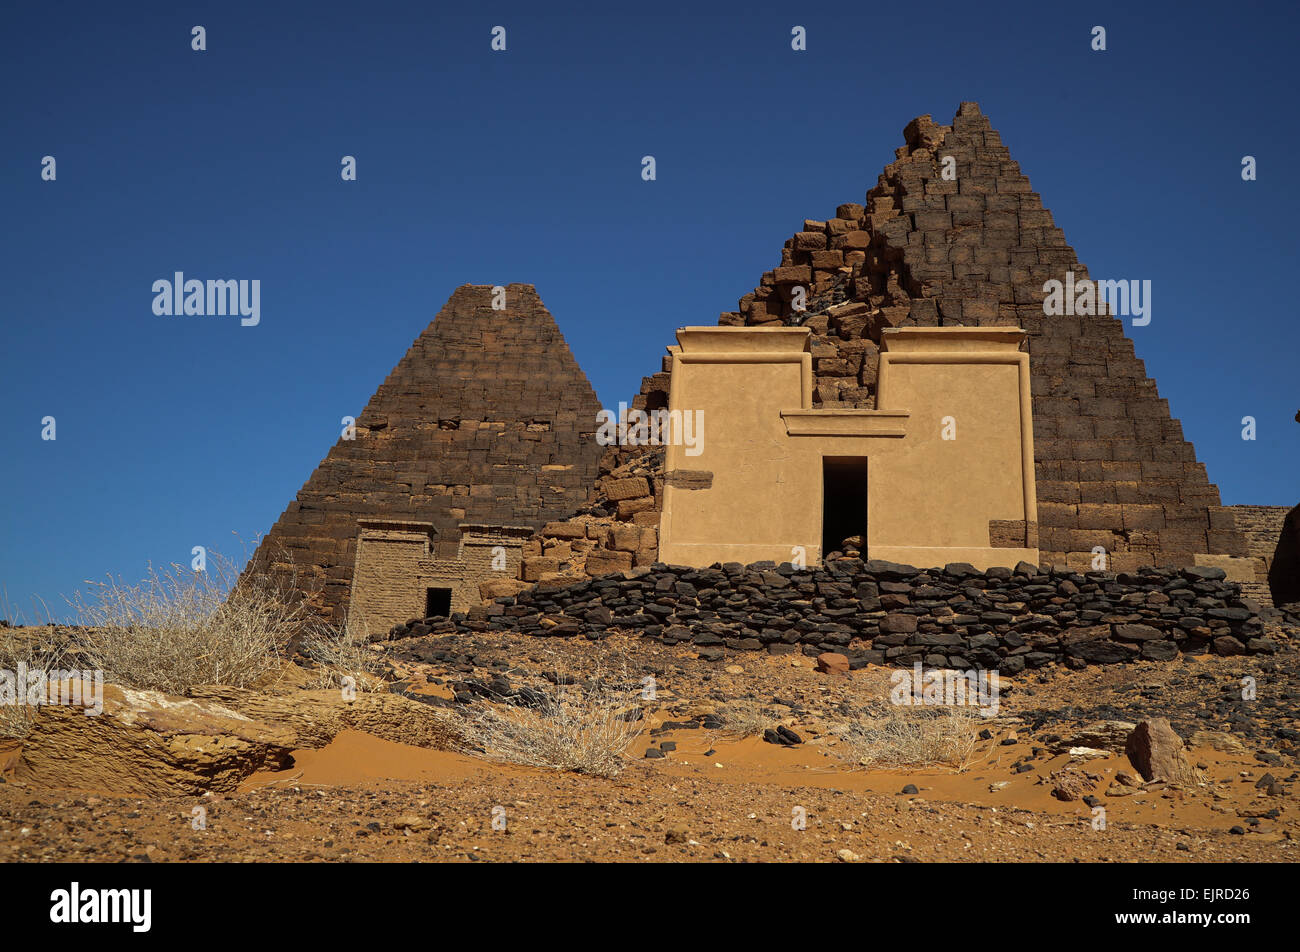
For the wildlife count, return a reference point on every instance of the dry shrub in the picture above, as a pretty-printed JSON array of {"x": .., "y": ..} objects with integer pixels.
[
  {"x": 179, "y": 629},
  {"x": 581, "y": 725},
  {"x": 916, "y": 736},
  {"x": 344, "y": 653},
  {"x": 746, "y": 719},
  {"x": 38, "y": 649}
]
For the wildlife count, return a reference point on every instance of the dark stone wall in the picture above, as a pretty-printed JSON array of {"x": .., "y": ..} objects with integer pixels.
[{"x": 884, "y": 613}]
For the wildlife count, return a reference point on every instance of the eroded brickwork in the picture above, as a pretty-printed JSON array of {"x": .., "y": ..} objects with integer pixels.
[
  {"x": 1112, "y": 466},
  {"x": 398, "y": 564},
  {"x": 1261, "y": 526},
  {"x": 389, "y": 555},
  {"x": 487, "y": 419},
  {"x": 487, "y": 554}
]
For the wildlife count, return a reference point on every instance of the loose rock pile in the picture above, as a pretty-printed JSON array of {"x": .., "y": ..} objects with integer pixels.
[
  {"x": 616, "y": 530},
  {"x": 878, "y": 612}
]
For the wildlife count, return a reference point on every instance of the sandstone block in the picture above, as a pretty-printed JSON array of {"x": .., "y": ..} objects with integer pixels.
[
  {"x": 536, "y": 566},
  {"x": 627, "y": 508},
  {"x": 498, "y": 587},
  {"x": 627, "y": 488},
  {"x": 1157, "y": 753},
  {"x": 606, "y": 562},
  {"x": 146, "y": 743},
  {"x": 832, "y": 662},
  {"x": 625, "y": 538}
]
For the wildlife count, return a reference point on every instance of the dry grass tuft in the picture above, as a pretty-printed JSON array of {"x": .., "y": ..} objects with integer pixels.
[
  {"x": 746, "y": 719},
  {"x": 344, "y": 656},
  {"x": 580, "y": 725},
  {"x": 39, "y": 648},
  {"x": 916, "y": 737},
  {"x": 179, "y": 629}
]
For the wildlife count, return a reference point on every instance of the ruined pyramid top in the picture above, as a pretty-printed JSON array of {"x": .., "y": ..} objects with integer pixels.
[{"x": 953, "y": 234}]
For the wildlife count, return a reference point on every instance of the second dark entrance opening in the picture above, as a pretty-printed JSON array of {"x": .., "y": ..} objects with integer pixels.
[
  {"x": 437, "y": 603},
  {"x": 844, "y": 502}
]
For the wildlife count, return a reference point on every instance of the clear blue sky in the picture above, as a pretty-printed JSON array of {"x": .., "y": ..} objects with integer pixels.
[{"x": 485, "y": 167}]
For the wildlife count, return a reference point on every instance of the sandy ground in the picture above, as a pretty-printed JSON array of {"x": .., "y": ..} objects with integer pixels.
[{"x": 716, "y": 796}]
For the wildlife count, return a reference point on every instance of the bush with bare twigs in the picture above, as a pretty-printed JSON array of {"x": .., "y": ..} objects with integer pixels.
[
  {"x": 40, "y": 648},
  {"x": 584, "y": 725},
  {"x": 179, "y": 629},
  {"x": 917, "y": 736},
  {"x": 746, "y": 719},
  {"x": 344, "y": 656}
]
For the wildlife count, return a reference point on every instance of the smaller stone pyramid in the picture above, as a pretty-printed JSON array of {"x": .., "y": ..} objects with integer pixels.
[{"x": 488, "y": 419}]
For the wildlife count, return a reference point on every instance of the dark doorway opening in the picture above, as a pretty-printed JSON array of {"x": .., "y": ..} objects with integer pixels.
[
  {"x": 437, "y": 603},
  {"x": 844, "y": 502}
]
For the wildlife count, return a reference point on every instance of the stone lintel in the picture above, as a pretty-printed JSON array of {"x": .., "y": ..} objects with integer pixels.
[{"x": 841, "y": 422}]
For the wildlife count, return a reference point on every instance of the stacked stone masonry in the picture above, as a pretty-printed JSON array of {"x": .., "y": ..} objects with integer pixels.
[
  {"x": 1262, "y": 528},
  {"x": 885, "y": 613},
  {"x": 396, "y": 570},
  {"x": 617, "y": 529},
  {"x": 1112, "y": 467},
  {"x": 488, "y": 419}
]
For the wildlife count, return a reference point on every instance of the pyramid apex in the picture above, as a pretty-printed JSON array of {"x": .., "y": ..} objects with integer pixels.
[
  {"x": 482, "y": 294},
  {"x": 488, "y": 287}
]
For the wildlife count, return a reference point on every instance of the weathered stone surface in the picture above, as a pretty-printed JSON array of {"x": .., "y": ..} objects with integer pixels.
[
  {"x": 1112, "y": 466},
  {"x": 499, "y": 587},
  {"x": 956, "y": 616},
  {"x": 896, "y": 622},
  {"x": 1157, "y": 753},
  {"x": 629, "y": 488},
  {"x": 627, "y": 508},
  {"x": 605, "y": 562},
  {"x": 1137, "y": 633},
  {"x": 538, "y": 567},
  {"x": 488, "y": 419},
  {"x": 831, "y": 662},
  {"x": 1159, "y": 650},
  {"x": 1103, "y": 735},
  {"x": 150, "y": 744},
  {"x": 147, "y": 743},
  {"x": 1228, "y": 645},
  {"x": 1217, "y": 740},
  {"x": 1070, "y": 783},
  {"x": 689, "y": 479},
  {"x": 625, "y": 538},
  {"x": 315, "y": 717}
]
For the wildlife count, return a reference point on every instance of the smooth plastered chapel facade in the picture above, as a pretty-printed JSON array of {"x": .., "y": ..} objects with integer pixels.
[{"x": 941, "y": 471}]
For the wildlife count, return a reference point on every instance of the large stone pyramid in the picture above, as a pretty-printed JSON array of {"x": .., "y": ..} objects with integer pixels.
[
  {"x": 1112, "y": 467},
  {"x": 488, "y": 419}
]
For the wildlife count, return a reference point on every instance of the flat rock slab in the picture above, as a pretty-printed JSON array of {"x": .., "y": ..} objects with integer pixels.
[{"x": 148, "y": 743}]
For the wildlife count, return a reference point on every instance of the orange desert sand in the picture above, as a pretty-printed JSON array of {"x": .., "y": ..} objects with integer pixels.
[{"x": 721, "y": 797}]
